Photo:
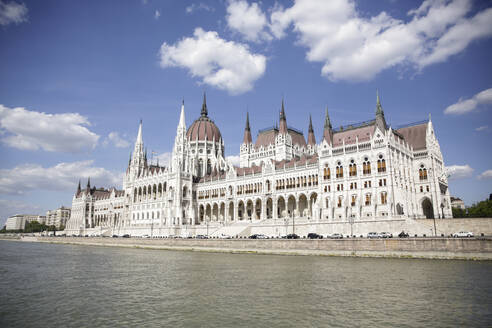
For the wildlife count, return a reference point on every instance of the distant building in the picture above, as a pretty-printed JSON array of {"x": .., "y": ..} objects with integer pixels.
[
  {"x": 457, "y": 203},
  {"x": 58, "y": 217},
  {"x": 18, "y": 222}
]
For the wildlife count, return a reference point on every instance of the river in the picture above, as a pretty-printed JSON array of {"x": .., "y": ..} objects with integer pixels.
[{"x": 53, "y": 285}]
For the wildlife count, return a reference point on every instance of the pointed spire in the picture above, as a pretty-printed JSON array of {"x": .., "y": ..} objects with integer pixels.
[
  {"x": 139, "y": 135},
  {"x": 283, "y": 120},
  {"x": 311, "y": 137},
  {"x": 247, "y": 132},
  {"x": 204, "y": 105},
  {"x": 78, "y": 188},
  {"x": 327, "y": 131},
  {"x": 380, "y": 120},
  {"x": 379, "y": 108},
  {"x": 327, "y": 119},
  {"x": 89, "y": 183},
  {"x": 182, "y": 122}
]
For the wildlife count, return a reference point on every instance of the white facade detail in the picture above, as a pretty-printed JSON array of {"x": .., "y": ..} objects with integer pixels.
[{"x": 366, "y": 172}]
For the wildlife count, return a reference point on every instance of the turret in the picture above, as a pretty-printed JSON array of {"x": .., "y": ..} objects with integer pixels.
[
  {"x": 283, "y": 120},
  {"x": 78, "y": 189},
  {"x": 311, "y": 137},
  {"x": 328, "y": 130},
  {"x": 139, "y": 158},
  {"x": 380, "y": 120},
  {"x": 204, "y": 111},
  {"x": 247, "y": 139}
]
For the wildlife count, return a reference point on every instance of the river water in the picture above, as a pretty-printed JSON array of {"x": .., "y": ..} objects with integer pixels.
[{"x": 52, "y": 285}]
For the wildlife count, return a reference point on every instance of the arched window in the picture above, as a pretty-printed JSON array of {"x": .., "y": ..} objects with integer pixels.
[
  {"x": 352, "y": 203},
  {"x": 339, "y": 203},
  {"x": 366, "y": 166},
  {"x": 384, "y": 198},
  {"x": 326, "y": 172},
  {"x": 352, "y": 169},
  {"x": 339, "y": 170},
  {"x": 381, "y": 164},
  {"x": 368, "y": 199},
  {"x": 422, "y": 172},
  {"x": 209, "y": 167},
  {"x": 200, "y": 167}
]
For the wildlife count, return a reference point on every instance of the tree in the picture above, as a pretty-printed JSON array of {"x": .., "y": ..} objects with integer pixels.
[{"x": 481, "y": 209}]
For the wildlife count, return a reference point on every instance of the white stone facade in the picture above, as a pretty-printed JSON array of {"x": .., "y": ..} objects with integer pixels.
[
  {"x": 58, "y": 217},
  {"x": 368, "y": 172}
]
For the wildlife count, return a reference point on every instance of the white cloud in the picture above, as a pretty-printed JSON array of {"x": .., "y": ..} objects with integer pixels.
[
  {"x": 200, "y": 6},
  {"x": 12, "y": 12},
  {"x": 234, "y": 159},
  {"x": 248, "y": 20},
  {"x": 486, "y": 175},
  {"x": 226, "y": 65},
  {"x": 464, "y": 106},
  {"x": 459, "y": 171},
  {"x": 61, "y": 177},
  {"x": 30, "y": 130},
  {"x": 356, "y": 48},
  {"x": 164, "y": 159},
  {"x": 482, "y": 128},
  {"x": 157, "y": 14},
  {"x": 115, "y": 139}
]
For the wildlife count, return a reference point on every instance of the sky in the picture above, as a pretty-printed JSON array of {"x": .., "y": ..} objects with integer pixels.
[{"x": 76, "y": 77}]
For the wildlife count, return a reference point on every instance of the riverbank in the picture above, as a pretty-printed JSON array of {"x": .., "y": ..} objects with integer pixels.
[{"x": 425, "y": 248}]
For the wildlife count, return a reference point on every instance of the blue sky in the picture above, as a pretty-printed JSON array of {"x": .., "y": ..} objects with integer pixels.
[{"x": 76, "y": 78}]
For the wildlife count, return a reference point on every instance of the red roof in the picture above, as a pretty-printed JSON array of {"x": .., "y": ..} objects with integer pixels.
[
  {"x": 203, "y": 128},
  {"x": 415, "y": 135}
]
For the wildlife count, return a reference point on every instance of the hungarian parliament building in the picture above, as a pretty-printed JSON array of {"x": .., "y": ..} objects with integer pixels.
[{"x": 357, "y": 178}]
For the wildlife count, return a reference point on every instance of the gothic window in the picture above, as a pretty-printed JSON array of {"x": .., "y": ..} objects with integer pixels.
[
  {"x": 339, "y": 204},
  {"x": 422, "y": 172},
  {"x": 326, "y": 172},
  {"x": 381, "y": 164},
  {"x": 339, "y": 170},
  {"x": 352, "y": 169},
  {"x": 366, "y": 166},
  {"x": 368, "y": 199},
  {"x": 352, "y": 203},
  {"x": 383, "y": 198},
  {"x": 209, "y": 167}
]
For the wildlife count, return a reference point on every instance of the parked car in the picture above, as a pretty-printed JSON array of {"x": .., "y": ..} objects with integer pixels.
[
  {"x": 403, "y": 234},
  {"x": 261, "y": 236},
  {"x": 201, "y": 237},
  {"x": 313, "y": 235},
  {"x": 292, "y": 236},
  {"x": 460, "y": 234},
  {"x": 145, "y": 236},
  {"x": 336, "y": 236},
  {"x": 372, "y": 235},
  {"x": 126, "y": 236},
  {"x": 253, "y": 236},
  {"x": 115, "y": 236},
  {"x": 385, "y": 235},
  {"x": 223, "y": 236}
]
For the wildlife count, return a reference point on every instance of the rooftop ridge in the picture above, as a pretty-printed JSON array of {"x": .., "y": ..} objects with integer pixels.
[
  {"x": 354, "y": 126},
  {"x": 401, "y": 126}
]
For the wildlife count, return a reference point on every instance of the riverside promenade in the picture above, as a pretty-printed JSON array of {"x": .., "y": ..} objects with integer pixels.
[{"x": 429, "y": 248}]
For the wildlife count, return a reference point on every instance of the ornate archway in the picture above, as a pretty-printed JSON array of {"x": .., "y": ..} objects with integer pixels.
[{"x": 427, "y": 208}]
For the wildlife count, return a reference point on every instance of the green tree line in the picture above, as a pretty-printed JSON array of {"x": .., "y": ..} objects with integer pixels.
[
  {"x": 33, "y": 226},
  {"x": 481, "y": 209}
]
